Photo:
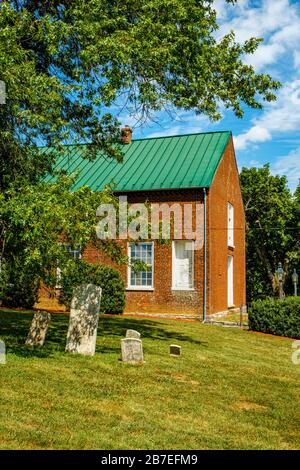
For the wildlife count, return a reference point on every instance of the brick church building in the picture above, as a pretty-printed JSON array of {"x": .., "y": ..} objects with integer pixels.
[{"x": 198, "y": 170}]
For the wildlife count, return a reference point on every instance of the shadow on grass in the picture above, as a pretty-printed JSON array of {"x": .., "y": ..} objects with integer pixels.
[
  {"x": 14, "y": 327},
  {"x": 150, "y": 329}
]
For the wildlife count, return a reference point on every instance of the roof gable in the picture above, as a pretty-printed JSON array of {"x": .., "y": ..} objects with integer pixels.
[{"x": 175, "y": 162}]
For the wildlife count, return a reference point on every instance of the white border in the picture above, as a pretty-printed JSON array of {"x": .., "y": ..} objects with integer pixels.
[
  {"x": 230, "y": 244},
  {"x": 139, "y": 288},
  {"x": 193, "y": 267}
]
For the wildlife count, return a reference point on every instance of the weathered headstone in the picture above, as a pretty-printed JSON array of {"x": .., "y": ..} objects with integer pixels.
[
  {"x": 133, "y": 334},
  {"x": 38, "y": 329},
  {"x": 175, "y": 350},
  {"x": 85, "y": 307},
  {"x": 132, "y": 350},
  {"x": 2, "y": 352}
]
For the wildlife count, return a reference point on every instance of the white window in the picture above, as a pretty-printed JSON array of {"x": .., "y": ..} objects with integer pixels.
[
  {"x": 142, "y": 279},
  {"x": 230, "y": 224},
  {"x": 183, "y": 264}
]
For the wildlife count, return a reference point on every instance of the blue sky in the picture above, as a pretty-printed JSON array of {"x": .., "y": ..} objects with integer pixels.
[{"x": 272, "y": 134}]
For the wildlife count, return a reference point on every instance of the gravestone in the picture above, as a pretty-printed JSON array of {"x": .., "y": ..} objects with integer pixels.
[
  {"x": 132, "y": 350},
  {"x": 133, "y": 334},
  {"x": 85, "y": 307},
  {"x": 38, "y": 329},
  {"x": 2, "y": 353},
  {"x": 175, "y": 350}
]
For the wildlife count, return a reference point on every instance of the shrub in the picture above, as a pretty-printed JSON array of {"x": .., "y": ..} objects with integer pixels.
[
  {"x": 80, "y": 272},
  {"x": 278, "y": 317},
  {"x": 21, "y": 287}
]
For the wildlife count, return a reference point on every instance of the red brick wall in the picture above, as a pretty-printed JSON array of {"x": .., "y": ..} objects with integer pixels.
[
  {"x": 48, "y": 300},
  {"x": 225, "y": 188},
  {"x": 162, "y": 299}
]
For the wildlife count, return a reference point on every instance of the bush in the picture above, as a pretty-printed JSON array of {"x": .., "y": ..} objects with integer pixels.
[
  {"x": 21, "y": 288},
  {"x": 80, "y": 272},
  {"x": 278, "y": 317}
]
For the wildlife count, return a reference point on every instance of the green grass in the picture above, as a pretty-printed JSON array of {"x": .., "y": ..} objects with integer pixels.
[
  {"x": 230, "y": 389},
  {"x": 235, "y": 318}
]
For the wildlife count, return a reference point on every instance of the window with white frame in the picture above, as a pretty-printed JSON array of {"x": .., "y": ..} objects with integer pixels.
[
  {"x": 140, "y": 252},
  {"x": 183, "y": 264},
  {"x": 230, "y": 224}
]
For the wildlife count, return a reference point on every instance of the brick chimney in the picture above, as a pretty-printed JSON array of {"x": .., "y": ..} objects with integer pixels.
[{"x": 126, "y": 135}]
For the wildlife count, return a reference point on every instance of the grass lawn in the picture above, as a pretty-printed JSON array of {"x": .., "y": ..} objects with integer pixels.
[
  {"x": 230, "y": 389},
  {"x": 235, "y": 318}
]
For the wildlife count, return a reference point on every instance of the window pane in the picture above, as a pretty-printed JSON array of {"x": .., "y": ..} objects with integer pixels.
[{"x": 141, "y": 252}]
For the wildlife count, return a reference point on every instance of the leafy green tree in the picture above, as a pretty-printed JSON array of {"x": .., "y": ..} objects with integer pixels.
[
  {"x": 67, "y": 64},
  {"x": 37, "y": 222},
  {"x": 271, "y": 230},
  {"x": 294, "y": 253}
]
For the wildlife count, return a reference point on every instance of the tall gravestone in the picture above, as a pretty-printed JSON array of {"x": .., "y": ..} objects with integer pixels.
[
  {"x": 38, "y": 329},
  {"x": 85, "y": 307}
]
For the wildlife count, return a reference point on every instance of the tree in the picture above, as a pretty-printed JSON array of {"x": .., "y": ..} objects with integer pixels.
[
  {"x": 271, "y": 234},
  {"x": 35, "y": 219},
  {"x": 66, "y": 64}
]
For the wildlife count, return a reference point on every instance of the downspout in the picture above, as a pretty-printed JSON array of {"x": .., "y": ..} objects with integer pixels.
[{"x": 205, "y": 258}]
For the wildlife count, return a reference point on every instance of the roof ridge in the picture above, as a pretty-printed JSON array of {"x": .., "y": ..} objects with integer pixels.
[
  {"x": 182, "y": 135},
  {"x": 148, "y": 138}
]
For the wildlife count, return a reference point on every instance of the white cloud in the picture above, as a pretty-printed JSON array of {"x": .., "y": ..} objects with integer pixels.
[
  {"x": 288, "y": 165},
  {"x": 288, "y": 35},
  {"x": 297, "y": 59},
  {"x": 279, "y": 117},
  {"x": 265, "y": 55},
  {"x": 284, "y": 114},
  {"x": 254, "y": 135},
  {"x": 266, "y": 19},
  {"x": 275, "y": 21}
]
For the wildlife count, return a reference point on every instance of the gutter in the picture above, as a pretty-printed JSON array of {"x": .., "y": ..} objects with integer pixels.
[{"x": 205, "y": 258}]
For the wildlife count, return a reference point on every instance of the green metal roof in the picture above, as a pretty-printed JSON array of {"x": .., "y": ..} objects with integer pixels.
[{"x": 185, "y": 161}]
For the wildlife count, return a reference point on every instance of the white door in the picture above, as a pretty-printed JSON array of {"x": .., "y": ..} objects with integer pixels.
[
  {"x": 230, "y": 281},
  {"x": 182, "y": 264}
]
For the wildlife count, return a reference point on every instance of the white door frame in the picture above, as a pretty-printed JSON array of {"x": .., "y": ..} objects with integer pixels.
[{"x": 230, "y": 284}]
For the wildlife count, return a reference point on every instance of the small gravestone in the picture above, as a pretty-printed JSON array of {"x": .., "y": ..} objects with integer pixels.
[
  {"x": 2, "y": 352},
  {"x": 83, "y": 324},
  {"x": 38, "y": 329},
  {"x": 175, "y": 350},
  {"x": 132, "y": 350},
  {"x": 133, "y": 334}
]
